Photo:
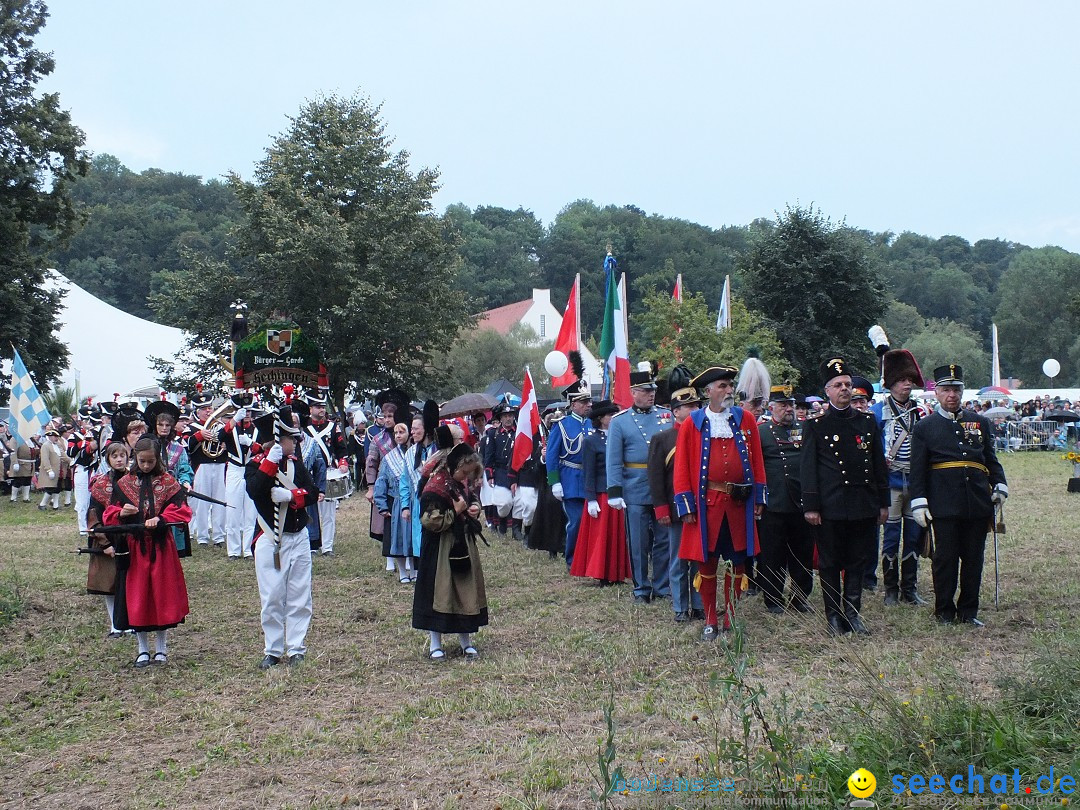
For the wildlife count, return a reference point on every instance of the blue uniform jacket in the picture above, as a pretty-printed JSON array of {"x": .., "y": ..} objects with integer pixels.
[
  {"x": 595, "y": 464},
  {"x": 566, "y": 455},
  {"x": 629, "y": 436}
]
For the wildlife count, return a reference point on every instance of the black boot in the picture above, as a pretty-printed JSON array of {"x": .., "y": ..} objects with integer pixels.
[
  {"x": 891, "y": 578},
  {"x": 515, "y": 531},
  {"x": 502, "y": 526},
  {"x": 909, "y": 581},
  {"x": 838, "y": 625}
]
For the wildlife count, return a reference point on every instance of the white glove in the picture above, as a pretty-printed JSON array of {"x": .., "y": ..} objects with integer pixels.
[
  {"x": 594, "y": 508},
  {"x": 239, "y": 416},
  {"x": 922, "y": 516},
  {"x": 556, "y": 490},
  {"x": 244, "y": 440},
  {"x": 276, "y": 453},
  {"x": 998, "y": 497},
  {"x": 616, "y": 503},
  {"x": 52, "y": 474},
  {"x": 15, "y": 467},
  {"x": 280, "y": 495}
]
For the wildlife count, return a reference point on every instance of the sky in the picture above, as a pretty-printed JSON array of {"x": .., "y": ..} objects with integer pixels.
[{"x": 938, "y": 118}]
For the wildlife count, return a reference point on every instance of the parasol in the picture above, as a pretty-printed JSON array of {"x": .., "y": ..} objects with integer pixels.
[{"x": 465, "y": 405}]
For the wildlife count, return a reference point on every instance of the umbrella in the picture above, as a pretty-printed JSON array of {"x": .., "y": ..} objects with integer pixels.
[
  {"x": 1006, "y": 412},
  {"x": 1061, "y": 416},
  {"x": 466, "y": 404}
]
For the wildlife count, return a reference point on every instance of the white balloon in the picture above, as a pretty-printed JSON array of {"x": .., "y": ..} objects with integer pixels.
[
  {"x": 1051, "y": 367},
  {"x": 556, "y": 363}
]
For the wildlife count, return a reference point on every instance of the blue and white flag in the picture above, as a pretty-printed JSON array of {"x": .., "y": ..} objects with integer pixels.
[{"x": 28, "y": 412}]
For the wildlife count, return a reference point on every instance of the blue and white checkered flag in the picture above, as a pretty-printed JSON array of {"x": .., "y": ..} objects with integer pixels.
[{"x": 28, "y": 412}]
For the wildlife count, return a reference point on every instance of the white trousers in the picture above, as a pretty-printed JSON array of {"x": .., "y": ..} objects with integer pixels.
[
  {"x": 209, "y": 518},
  {"x": 328, "y": 524},
  {"x": 81, "y": 478},
  {"x": 285, "y": 594},
  {"x": 524, "y": 505},
  {"x": 240, "y": 519}
]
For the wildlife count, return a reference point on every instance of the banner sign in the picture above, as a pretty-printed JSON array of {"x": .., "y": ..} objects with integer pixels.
[{"x": 276, "y": 353}]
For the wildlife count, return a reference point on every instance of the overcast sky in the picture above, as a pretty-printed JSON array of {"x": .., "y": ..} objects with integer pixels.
[{"x": 935, "y": 117}]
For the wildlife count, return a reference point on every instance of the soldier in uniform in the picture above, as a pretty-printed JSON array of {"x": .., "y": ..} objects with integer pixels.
[
  {"x": 787, "y": 543},
  {"x": 862, "y": 391},
  {"x": 498, "y": 453},
  {"x": 956, "y": 482},
  {"x": 565, "y": 460},
  {"x": 897, "y": 415},
  {"x": 206, "y": 454},
  {"x": 331, "y": 443},
  {"x": 238, "y": 437},
  {"x": 685, "y": 600},
  {"x": 629, "y": 436},
  {"x": 83, "y": 451},
  {"x": 719, "y": 491},
  {"x": 845, "y": 489}
]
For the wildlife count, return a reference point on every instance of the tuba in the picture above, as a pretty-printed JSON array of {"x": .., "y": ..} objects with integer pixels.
[{"x": 213, "y": 449}]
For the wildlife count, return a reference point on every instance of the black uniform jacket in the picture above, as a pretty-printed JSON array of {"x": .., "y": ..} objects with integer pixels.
[
  {"x": 261, "y": 476},
  {"x": 498, "y": 452},
  {"x": 966, "y": 445},
  {"x": 662, "y": 474},
  {"x": 781, "y": 450},
  {"x": 843, "y": 470}
]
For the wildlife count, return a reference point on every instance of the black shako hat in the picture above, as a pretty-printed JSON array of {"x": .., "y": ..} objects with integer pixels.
[
  {"x": 951, "y": 374},
  {"x": 832, "y": 368}
]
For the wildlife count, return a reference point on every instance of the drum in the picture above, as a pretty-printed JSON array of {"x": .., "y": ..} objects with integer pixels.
[{"x": 338, "y": 484}]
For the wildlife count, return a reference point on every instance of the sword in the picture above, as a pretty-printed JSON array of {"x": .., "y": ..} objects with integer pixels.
[
  {"x": 200, "y": 497},
  {"x": 998, "y": 525}
]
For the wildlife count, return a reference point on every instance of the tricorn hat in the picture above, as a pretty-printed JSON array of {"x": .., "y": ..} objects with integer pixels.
[{"x": 712, "y": 374}]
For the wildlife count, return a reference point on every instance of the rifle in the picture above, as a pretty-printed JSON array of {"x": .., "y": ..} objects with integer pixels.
[
  {"x": 200, "y": 497},
  {"x": 87, "y": 550}
]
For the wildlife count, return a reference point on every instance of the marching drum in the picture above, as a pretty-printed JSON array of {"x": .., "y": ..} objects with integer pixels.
[{"x": 338, "y": 484}]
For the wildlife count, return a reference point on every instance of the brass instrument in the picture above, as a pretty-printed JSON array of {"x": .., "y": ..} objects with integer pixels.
[{"x": 214, "y": 449}]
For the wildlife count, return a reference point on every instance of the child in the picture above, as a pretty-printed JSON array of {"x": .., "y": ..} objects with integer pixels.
[
  {"x": 102, "y": 573},
  {"x": 155, "y": 594}
]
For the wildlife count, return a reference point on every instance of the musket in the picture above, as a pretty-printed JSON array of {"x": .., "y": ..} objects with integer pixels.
[
  {"x": 85, "y": 550},
  {"x": 200, "y": 497},
  {"x": 129, "y": 528}
]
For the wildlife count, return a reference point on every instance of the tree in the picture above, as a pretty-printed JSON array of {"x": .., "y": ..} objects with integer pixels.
[
  {"x": 670, "y": 333},
  {"x": 478, "y": 358},
  {"x": 818, "y": 287},
  {"x": 339, "y": 235},
  {"x": 499, "y": 253},
  {"x": 943, "y": 342},
  {"x": 40, "y": 155},
  {"x": 1034, "y": 319},
  {"x": 61, "y": 402},
  {"x": 902, "y": 323}
]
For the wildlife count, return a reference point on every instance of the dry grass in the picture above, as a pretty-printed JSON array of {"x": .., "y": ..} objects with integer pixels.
[{"x": 369, "y": 722}]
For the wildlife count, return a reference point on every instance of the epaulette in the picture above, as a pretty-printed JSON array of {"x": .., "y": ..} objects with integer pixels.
[{"x": 620, "y": 413}]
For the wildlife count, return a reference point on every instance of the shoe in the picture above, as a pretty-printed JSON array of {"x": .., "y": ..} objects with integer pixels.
[
  {"x": 641, "y": 599},
  {"x": 776, "y": 610},
  {"x": 220, "y": 544},
  {"x": 856, "y": 624},
  {"x": 913, "y": 598},
  {"x": 892, "y": 597},
  {"x": 142, "y": 660},
  {"x": 41, "y": 508},
  {"x": 697, "y": 613},
  {"x": 801, "y": 606},
  {"x": 414, "y": 577},
  {"x": 682, "y": 617},
  {"x": 234, "y": 556},
  {"x": 870, "y": 587},
  {"x": 327, "y": 554},
  {"x": 269, "y": 661},
  {"x": 160, "y": 659},
  {"x": 471, "y": 653},
  {"x": 944, "y": 619},
  {"x": 710, "y": 633},
  {"x": 973, "y": 622},
  {"x": 838, "y": 626},
  {"x": 115, "y": 634},
  {"x": 437, "y": 654},
  {"x": 752, "y": 590},
  {"x": 405, "y": 580},
  {"x": 296, "y": 660}
]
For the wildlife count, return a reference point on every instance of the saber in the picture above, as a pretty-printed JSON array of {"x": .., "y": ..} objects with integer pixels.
[
  {"x": 998, "y": 524},
  {"x": 200, "y": 497}
]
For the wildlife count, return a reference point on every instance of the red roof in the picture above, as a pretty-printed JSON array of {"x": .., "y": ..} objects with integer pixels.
[{"x": 503, "y": 319}]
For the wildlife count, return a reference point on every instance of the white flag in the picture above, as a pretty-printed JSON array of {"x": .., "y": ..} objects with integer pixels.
[{"x": 723, "y": 318}]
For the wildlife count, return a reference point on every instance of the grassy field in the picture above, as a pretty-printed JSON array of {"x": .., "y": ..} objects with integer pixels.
[{"x": 368, "y": 721}]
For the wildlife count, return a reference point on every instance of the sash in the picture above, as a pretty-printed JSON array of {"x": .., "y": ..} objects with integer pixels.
[
  {"x": 284, "y": 479},
  {"x": 318, "y": 436}
]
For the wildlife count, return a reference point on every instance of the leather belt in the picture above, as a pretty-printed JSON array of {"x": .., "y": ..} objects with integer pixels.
[
  {"x": 953, "y": 465},
  {"x": 723, "y": 486},
  {"x": 633, "y": 465}
]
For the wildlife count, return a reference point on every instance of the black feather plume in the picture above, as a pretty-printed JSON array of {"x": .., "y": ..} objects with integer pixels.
[
  {"x": 431, "y": 417},
  {"x": 577, "y": 365},
  {"x": 679, "y": 377}
]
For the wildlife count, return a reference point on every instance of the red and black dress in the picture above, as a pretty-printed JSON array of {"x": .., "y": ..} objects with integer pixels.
[{"x": 154, "y": 593}]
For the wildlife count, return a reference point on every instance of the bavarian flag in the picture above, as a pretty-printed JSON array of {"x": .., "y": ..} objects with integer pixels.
[{"x": 28, "y": 414}]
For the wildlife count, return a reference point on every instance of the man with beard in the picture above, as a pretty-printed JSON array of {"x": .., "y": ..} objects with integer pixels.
[{"x": 845, "y": 493}]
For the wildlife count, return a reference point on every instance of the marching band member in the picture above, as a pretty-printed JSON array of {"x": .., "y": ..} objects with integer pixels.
[
  {"x": 238, "y": 437},
  {"x": 328, "y": 439},
  {"x": 207, "y": 456}
]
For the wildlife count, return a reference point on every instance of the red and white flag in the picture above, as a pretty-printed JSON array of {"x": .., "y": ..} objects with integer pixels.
[
  {"x": 677, "y": 294},
  {"x": 528, "y": 424},
  {"x": 569, "y": 339}
]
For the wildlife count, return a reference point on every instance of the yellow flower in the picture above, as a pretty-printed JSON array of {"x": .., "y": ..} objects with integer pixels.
[
  {"x": 906, "y": 703},
  {"x": 881, "y": 675},
  {"x": 662, "y": 760}
]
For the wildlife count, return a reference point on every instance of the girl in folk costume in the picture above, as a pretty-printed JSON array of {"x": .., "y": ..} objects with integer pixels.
[
  {"x": 381, "y": 442},
  {"x": 426, "y": 444},
  {"x": 161, "y": 418},
  {"x": 397, "y": 534},
  {"x": 155, "y": 594},
  {"x": 450, "y": 596},
  {"x": 50, "y": 468},
  {"x": 601, "y": 550},
  {"x": 104, "y": 570}
]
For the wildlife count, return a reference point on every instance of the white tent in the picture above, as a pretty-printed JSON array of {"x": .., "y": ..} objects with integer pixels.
[{"x": 110, "y": 349}]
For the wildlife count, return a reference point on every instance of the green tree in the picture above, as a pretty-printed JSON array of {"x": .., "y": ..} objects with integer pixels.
[
  {"x": 902, "y": 323},
  {"x": 1034, "y": 319},
  {"x": 499, "y": 252},
  {"x": 817, "y": 285},
  {"x": 481, "y": 356},
  {"x": 339, "y": 235},
  {"x": 943, "y": 342},
  {"x": 61, "y": 402},
  {"x": 670, "y": 333},
  {"x": 40, "y": 155}
]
